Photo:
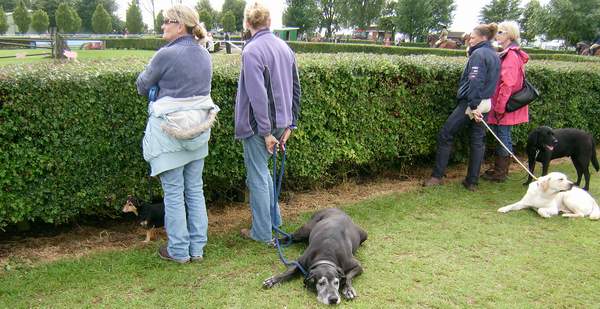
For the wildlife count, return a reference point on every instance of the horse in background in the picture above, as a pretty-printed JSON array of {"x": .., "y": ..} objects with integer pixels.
[
  {"x": 583, "y": 48},
  {"x": 448, "y": 43}
]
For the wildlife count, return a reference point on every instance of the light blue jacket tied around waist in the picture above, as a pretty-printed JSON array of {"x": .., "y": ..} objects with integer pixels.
[{"x": 177, "y": 131}]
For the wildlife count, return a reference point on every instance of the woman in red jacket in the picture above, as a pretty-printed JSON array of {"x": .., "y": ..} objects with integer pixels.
[{"x": 511, "y": 80}]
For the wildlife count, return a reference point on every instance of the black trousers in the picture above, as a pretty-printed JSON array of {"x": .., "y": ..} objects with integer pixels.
[{"x": 455, "y": 122}]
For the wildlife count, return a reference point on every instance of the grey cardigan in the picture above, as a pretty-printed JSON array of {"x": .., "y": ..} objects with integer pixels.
[{"x": 181, "y": 69}]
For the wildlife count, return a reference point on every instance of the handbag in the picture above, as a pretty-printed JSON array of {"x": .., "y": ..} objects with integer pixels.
[{"x": 522, "y": 97}]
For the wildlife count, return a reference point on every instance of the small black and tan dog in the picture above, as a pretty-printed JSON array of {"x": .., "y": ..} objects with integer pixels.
[
  {"x": 151, "y": 216},
  {"x": 545, "y": 144}
]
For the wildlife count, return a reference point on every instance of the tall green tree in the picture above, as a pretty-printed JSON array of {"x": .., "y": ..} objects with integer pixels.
[
  {"x": 419, "y": 18},
  {"x": 21, "y": 17},
  {"x": 207, "y": 18},
  {"x": 332, "y": 15},
  {"x": 3, "y": 21},
  {"x": 500, "y": 10},
  {"x": 441, "y": 14},
  {"x": 361, "y": 13},
  {"x": 204, "y": 5},
  {"x": 534, "y": 20},
  {"x": 303, "y": 14},
  {"x": 10, "y": 5},
  {"x": 573, "y": 20},
  {"x": 50, "y": 7},
  {"x": 134, "y": 21},
  {"x": 67, "y": 19},
  {"x": 229, "y": 22},
  {"x": 236, "y": 7},
  {"x": 414, "y": 18},
  {"x": 40, "y": 21},
  {"x": 158, "y": 21},
  {"x": 86, "y": 8},
  {"x": 101, "y": 20}
]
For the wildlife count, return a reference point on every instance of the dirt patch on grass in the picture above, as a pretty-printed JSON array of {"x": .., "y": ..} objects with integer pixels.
[{"x": 79, "y": 240}]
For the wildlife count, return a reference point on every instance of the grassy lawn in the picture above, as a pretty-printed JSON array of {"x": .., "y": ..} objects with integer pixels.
[
  {"x": 81, "y": 54},
  {"x": 439, "y": 247}
]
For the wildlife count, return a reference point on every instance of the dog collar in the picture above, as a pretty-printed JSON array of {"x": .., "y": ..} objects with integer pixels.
[{"x": 323, "y": 262}]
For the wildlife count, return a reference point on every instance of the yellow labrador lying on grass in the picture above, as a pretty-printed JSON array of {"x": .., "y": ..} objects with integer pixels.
[{"x": 554, "y": 193}]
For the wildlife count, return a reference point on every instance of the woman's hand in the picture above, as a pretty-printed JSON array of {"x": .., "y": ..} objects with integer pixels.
[
  {"x": 477, "y": 116},
  {"x": 270, "y": 142},
  {"x": 284, "y": 137}
]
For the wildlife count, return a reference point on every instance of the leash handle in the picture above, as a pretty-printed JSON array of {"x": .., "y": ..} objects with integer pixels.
[{"x": 506, "y": 148}]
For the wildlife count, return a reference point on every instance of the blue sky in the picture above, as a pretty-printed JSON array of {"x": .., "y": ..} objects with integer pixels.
[{"x": 466, "y": 14}]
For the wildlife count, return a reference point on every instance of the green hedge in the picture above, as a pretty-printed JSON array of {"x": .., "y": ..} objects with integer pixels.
[
  {"x": 309, "y": 47},
  {"x": 70, "y": 134},
  {"x": 414, "y": 44},
  {"x": 134, "y": 43}
]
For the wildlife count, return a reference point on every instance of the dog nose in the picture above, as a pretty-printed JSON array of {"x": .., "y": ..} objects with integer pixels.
[{"x": 333, "y": 300}]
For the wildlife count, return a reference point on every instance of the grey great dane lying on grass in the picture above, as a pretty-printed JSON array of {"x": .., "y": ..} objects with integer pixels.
[{"x": 329, "y": 258}]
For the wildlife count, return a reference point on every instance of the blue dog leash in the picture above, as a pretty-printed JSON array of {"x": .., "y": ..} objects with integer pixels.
[{"x": 277, "y": 180}]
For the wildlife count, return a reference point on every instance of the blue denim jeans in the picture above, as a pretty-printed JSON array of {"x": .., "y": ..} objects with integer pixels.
[
  {"x": 456, "y": 121},
  {"x": 503, "y": 133},
  {"x": 186, "y": 221},
  {"x": 260, "y": 185}
]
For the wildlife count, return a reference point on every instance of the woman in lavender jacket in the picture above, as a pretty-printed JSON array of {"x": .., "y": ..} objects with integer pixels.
[{"x": 266, "y": 111}]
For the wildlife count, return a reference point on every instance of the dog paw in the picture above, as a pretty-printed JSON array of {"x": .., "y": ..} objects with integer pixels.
[
  {"x": 269, "y": 283},
  {"x": 504, "y": 209},
  {"x": 349, "y": 292}
]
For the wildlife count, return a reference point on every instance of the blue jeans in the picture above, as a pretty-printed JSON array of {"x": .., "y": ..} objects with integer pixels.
[
  {"x": 456, "y": 121},
  {"x": 186, "y": 221},
  {"x": 503, "y": 133},
  {"x": 260, "y": 185}
]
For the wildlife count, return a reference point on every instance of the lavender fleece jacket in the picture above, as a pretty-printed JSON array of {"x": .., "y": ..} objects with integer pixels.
[{"x": 268, "y": 95}]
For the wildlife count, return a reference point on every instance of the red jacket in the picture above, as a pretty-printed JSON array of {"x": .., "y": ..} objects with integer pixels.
[{"x": 511, "y": 81}]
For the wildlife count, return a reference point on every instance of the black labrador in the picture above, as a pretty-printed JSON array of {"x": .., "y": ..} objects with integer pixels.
[
  {"x": 329, "y": 258},
  {"x": 545, "y": 144}
]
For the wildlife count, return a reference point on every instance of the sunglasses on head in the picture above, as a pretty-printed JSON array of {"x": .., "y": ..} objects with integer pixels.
[{"x": 170, "y": 21}]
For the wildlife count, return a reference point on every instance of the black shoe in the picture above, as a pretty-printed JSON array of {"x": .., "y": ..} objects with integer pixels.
[
  {"x": 469, "y": 186},
  {"x": 163, "y": 253}
]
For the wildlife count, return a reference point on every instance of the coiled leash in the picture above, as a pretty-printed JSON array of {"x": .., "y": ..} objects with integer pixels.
[
  {"x": 277, "y": 180},
  {"x": 506, "y": 148}
]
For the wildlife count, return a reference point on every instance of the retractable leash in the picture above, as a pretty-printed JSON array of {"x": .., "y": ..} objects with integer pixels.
[
  {"x": 506, "y": 148},
  {"x": 277, "y": 180}
]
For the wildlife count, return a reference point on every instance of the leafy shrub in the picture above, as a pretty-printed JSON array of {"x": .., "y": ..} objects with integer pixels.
[
  {"x": 70, "y": 134},
  {"x": 309, "y": 47}
]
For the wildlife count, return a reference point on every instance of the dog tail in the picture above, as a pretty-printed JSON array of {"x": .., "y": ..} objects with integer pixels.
[{"x": 594, "y": 158}]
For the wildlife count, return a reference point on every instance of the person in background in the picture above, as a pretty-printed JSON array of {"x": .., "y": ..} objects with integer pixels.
[
  {"x": 513, "y": 61},
  {"x": 476, "y": 87},
  {"x": 266, "y": 111},
  {"x": 443, "y": 37},
  {"x": 182, "y": 71}
]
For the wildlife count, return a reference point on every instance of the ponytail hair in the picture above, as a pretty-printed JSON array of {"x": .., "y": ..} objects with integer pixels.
[
  {"x": 187, "y": 17},
  {"x": 487, "y": 30},
  {"x": 199, "y": 31}
]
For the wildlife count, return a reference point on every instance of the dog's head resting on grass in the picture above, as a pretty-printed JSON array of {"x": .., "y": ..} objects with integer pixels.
[
  {"x": 543, "y": 138},
  {"x": 554, "y": 182},
  {"x": 325, "y": 278}
]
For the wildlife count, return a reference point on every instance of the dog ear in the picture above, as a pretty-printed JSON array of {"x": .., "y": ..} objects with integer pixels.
[{"x": 544, "y": 183}]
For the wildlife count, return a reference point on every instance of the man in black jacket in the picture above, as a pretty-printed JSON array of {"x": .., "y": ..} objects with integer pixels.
[{"x": 476, "y": 87}]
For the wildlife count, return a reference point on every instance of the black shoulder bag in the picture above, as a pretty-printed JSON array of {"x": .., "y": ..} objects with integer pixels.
[{"x": 522, "y": 97}]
